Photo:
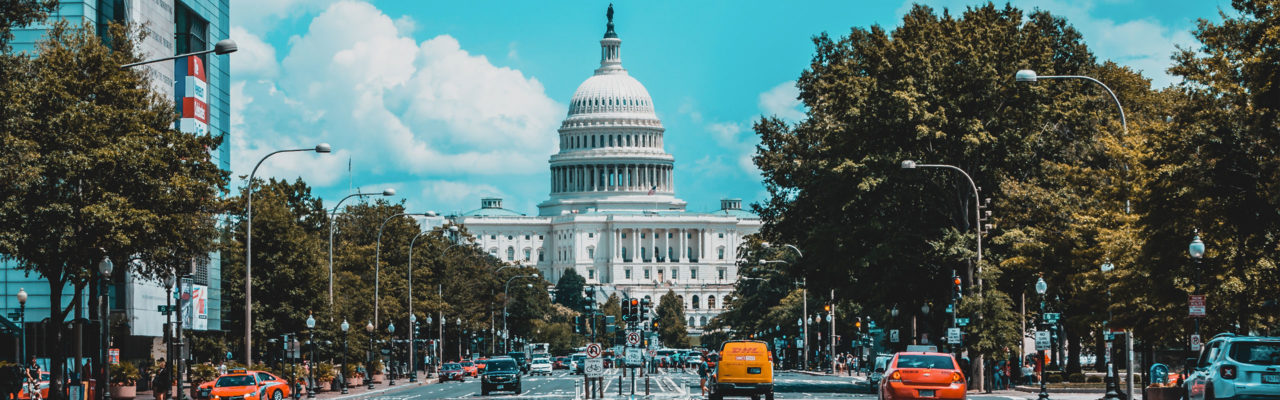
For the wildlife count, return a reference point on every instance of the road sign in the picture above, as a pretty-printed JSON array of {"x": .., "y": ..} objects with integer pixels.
[
  {"x": 633, "y": 338},
  {"x": 1196, "y": 306},
  {"x": 634, "y": 357},
  {"x": 594, "y": 368},
  {"x": 593, "y": 350},
  {"x": 1051, "y": 318},
  {"x": 1195, "y": 342},
  {"x": 1042, "y": 340},
  {"x": 893, "y": 336},
  {"x": 962, "y": 321},
  {"x": 953, "y": 335}
]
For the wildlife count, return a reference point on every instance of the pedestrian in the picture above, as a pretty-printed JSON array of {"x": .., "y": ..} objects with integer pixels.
[
  {"x": 702, "y": 374},
  {"x": 163, "y": 382},
  {"x": 33, "y": 379}
]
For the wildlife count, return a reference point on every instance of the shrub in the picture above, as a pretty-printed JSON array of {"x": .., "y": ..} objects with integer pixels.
[
  {"x": 376, "y": 366},
  {"x": 1075, "y": 377},
  {"x": 1053, "y": 377},
  {"x": 201, "y": 373},
  {"x": 124, "y": 374},
  {"x": 324, "y": 372},
  {"x": 351, "y": 370},
  {"x": 1093, "y": 379}
]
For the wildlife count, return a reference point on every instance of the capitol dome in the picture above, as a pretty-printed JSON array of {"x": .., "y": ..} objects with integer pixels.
[{"x": 609, "y": 92}]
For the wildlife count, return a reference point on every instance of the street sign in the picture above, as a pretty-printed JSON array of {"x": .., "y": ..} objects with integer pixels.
[
  {"x": 893, "y": 336},
  {"x": 953, "y": 335},
  {"x": 634, "y": 357},
  {"x": 800, "y": 343},
  {"x": 871, "y": 324},
  {"x": 1042, "y": 340},
  {"x": 1196, "y": 306},
  {"x": 594, "y": 368},
  {"x": 1195, "y": 342},
  {"x": 962, "y": 321},
  {"x": 633, "y": 338},
  {"x": 593, "y": 350},
  {"x": 1051, "y": 318}
]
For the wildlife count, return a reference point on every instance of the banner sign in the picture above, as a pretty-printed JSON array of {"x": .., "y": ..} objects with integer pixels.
[
  {"x": 193, "y": 92},
  {"x": 1196, "y": 306}
]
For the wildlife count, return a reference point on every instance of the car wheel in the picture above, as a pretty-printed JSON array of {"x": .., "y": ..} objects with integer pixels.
[
  {"x": 715, "y": 396},
  {"x": 768, "y": 396},
  {"x": 518, "y": 391},
  {"x": 484, "y": 392},
  {"x": 755, "y": 397},
  {"x": 1208, "y": 392},
  {"x": 276, "y": 395}
]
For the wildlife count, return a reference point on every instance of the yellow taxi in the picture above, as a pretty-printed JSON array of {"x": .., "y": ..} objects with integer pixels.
[
  {"x": 745, "y": 369},
  {"x": 242, "y": 384}
]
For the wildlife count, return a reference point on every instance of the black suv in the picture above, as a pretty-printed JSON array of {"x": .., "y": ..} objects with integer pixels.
[{"x": 501, "y": 373}]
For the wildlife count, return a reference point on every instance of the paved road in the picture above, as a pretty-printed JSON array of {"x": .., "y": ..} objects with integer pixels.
[{"x": 663, "y": 385}]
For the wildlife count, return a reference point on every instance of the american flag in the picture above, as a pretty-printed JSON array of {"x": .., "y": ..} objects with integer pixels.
[{"x": 652, "y": 190}]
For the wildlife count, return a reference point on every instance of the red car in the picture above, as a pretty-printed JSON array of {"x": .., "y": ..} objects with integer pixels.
[
  {"x": 452, "y": 372},
  {"x": 922, "y": 375},
  {"x": 246, "y": 385},
  {"x": 561, "y": 362},
  {"x": 470, "y": 368}
]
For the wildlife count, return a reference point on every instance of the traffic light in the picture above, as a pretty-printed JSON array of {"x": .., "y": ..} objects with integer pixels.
[
  {"x": 955, "y": 282},
  {"x": 577, "y": 324},
  {"x": 858, "y": 323},
  {"x": 654, "y": 325},
  {"x": 826, "y": 307},
  {"x": 644, "y": 307}
]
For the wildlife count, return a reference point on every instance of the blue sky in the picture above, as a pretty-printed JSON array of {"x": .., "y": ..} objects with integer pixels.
[{"x": 448, "y": 102}]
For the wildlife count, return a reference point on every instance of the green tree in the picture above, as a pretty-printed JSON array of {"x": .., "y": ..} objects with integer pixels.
[
  {"x": 569, "y": 291},
  {"x": 672, "y": 329},
  {"x": 17, "y": 13},
  {"x": 100, "y": 173}
]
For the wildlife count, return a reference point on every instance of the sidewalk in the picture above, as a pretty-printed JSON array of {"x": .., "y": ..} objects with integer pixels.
[
  {"x": 1055, "y": 395},
  {"x": 353, "y": 392}
]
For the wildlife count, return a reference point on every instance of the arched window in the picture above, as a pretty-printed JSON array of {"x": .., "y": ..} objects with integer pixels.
[
  {"x": 691, "y": 321},
  {"x": 720, "y": 252},
  {"x": 703, "y": 321},
  {"x": 528, "y": 254},
  {"x": 682, "y": 304},
  {"x": 695, "y": 303},
  {"x": 711, "y": 302},
  {"x": 511, "y": 253}
]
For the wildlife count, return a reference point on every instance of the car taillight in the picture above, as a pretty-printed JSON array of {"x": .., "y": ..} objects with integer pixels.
[
  {"x": 955, "y": 377},
  {"x": 896, "y": 376},
  {"x": 1227, "y": 372}
]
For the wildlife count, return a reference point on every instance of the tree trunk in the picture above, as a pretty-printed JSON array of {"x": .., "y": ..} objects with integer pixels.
[
  {"x": 57, "y": 357},
  {"x": 1100, "y": 348},
  {"x": 1073, "y": 352}
]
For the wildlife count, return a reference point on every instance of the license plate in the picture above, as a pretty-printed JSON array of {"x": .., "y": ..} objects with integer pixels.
[
  {"x": 926, "y": 393},
  {"x": 1270, "y": 378},
  {"x": 502, "y": 386}
]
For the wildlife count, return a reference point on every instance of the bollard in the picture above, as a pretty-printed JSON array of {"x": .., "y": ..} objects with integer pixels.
[
  {"x": 586, "y": 387},
  {"x": 624, "y": 373},
  {"x": 646, "y": 386}
]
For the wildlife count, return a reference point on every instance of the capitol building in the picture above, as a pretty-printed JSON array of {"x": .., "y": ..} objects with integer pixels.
[{"x": 613, "y": 215}]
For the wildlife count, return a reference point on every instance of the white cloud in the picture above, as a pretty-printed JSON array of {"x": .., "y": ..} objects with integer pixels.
[
  {"x": 782, "y": 101},
  {"x": 253, "y": 57},
  {"x": 393, "y": 105},
  {"x": 512, "y": 54},
  {"x": 406, "y": 25},
  {"x": 262, "y": 15}
]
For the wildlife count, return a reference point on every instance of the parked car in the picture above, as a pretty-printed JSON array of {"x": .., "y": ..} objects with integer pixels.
[
  {"x": 745, "y": 369},
  {"x": 540, "y": 366},
  {"x": 560, "y": 362},
  {"x": 1235, "y": 367},
  {"x": 916, "y": 375},
  {"x": 500, "y": 374},
  {"x": 579, "y": 362},
  {"x": 246, "y": 385},
  {"x": 452, "y": 372}
]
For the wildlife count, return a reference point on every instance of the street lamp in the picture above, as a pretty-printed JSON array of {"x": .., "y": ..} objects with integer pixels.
[
  {"x": 322, "y": 148},
  {"x": 311, "y": 370},
  {"x": 104, "y": 268},
  {"x": 1030, "y": 76},
  {"x": 977, "y": 211},
  {"x": 345, "y": 327},
  {"x": 391, "y": 343},
  {"x": 224, "y": 46},
  {"x": 333, "y": 226},
  {"x": 1196, "y": 250},
  {"x": 1041, "y": 289},
  {"x": 377, "y": 257},
  {"x": 803, "y": 294},
  {"x": 368, "y": 328},
  {"x": 433, "y": 349},
  {"x": 506, "y": 299}
]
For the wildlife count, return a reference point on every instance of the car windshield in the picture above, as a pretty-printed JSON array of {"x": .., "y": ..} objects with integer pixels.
[
  {"x": 452, "y": 366},
  {"x": 577, "y": 357},
  {"x": 467, "y": 364},
  {"x": 1256, "y": 353},
  {"x": 501, "y": 366},
  {"x": 541, "y": 361},
  {"x": 234, "y": 380},
  {"x": 924, "y": 361}
]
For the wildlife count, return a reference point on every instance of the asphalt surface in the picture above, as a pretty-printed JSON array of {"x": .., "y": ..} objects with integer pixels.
[{"x": 674, "y": 384}]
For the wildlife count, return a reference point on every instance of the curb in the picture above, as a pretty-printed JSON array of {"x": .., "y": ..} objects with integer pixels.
[
  {"x": 1026, "y": 389},
  {"x": 378, "y": 391}
]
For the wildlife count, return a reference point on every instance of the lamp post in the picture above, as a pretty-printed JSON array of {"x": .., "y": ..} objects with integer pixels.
[
  {"x": 22, "y": 321},
  {"x": 391, "y": 344},
  {"x": 322, "y": 148},
  {"x": 459, "y": 325},
  {"x": 433, "y": 349},
  {"x": 377, "y": 257},
  {"x": 332, "y": 226},
  {"x": 413, "y": 326},
  {"x": 168, "y": 317},
  {"x": 805, "y": 307},
  {"x": 311, "y": 367},
  {"x": 1196, "y": 250},
  {"x": 224, "y": 46},
  {"x": 1041, "y": 289},
  {"x": 345, "y": 327},
  {"x": 368, "y": 328},
  {"x": 104, "y": 268},
  {"x": 412, "y": 318},
  {"x": 506, "y": 299}
]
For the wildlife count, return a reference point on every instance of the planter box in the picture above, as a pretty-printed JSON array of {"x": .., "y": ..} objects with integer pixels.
[
  {"x": 378, "y": 377},
  {"x": 325, "y": 386},
  {"x": 124, "y": 392},
  {"x": 355, "y": 382}
]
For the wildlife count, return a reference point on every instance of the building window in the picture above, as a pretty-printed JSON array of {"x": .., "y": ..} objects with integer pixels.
[
  {"x": 627, "y": 273},
  {"x": 693, "y": 273},
  {"x": 642, "y": 235},
  {"x": 539, "y": 237},
  {"x": 690, "y": 256},
  {"x": 722, "y": 235},
  {"x": 509, "y": 237},
  {"x": 643, "y": 254},
  {"x": 720, "y": 252},
  {"x": 675, "y": 273},
  {"x": 669, "y": 235},
  {"x": 539, "y": 254},
  {"x": 493, "y": 251},
  {"x": 657, "y": 253},
  {"x": 691, "y": 321},
  {"x": 526, "y": 237},
  {"x": 703, "y": 321},
  {"x": 624, "y": 235},
  {"x": 646, "y": 273},
  {"x": 624, "y": 254},
  {"x": 671, "y": 253},
  {"x": 511, "y": 253},
  {"x": 695, "y": 303},
  {"x": 591, "y": 253},
  {"x": 711, "y": 302},
  {"x": 591, "y": 274},
  {"x": 591, "y": 234},
  {"x": 493, "y": 237},
  {"x": 688, "y": 236},
  {"x": 721, "y": 273},
  {"x": 528, "y": 253}
]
